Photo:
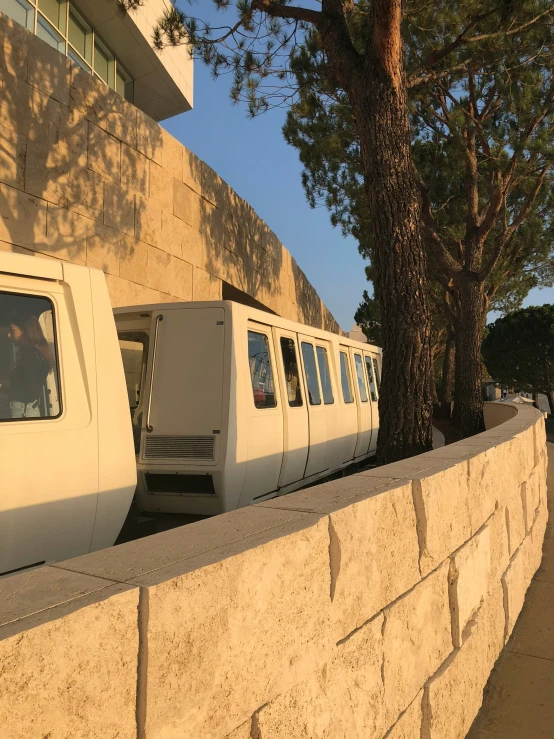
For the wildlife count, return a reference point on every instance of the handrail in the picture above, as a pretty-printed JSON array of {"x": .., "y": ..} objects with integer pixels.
[{"x": 149, "y": 427}]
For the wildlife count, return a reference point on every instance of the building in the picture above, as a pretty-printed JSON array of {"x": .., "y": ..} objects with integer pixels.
[{"x": 87, "y": 174}]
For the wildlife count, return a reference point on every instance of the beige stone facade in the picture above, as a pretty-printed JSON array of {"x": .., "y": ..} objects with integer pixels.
[
  {"x": 373, "y": 606},
  {"x": 88, "y": 178}
]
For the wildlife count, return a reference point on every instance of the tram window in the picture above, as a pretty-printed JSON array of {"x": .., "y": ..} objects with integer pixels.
[
  {"x": 134, "y": 353},
  {"x": 29, "y": 384},
  {"x": 292, "y": 377},
  {"x": 377, "y": 373},
  {"x": 261, "y": 373},
  {"x": 345, "y": 378},
  {"x": 308, "y": 356},
  {"x": 360, "y": 376},
  {"x": 324, "y": 375},
  {"x": 371, "y": 378}
]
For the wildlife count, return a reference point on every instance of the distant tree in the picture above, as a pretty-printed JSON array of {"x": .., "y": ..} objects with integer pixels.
[
  {"x": 368, "y": 318},
  {"x": 363, "y": 45},
  {"x": 518, "y": 350},
  {"x": 483, "y": 149}
]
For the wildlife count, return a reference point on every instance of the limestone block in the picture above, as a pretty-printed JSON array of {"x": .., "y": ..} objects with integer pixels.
[
  {"x": 234, "y": 628},
  {"x": 135, "y": 171},
  {"x": 172, "y": 155},
  {"x": 469, "y": 580},
  {"x": 408, "y": 725},
  {"x": 104, "y": 153},
  {"x": 67, "y": 234},
  {"x": 13, "y": 47},
  {"x": 172, "y": 234},
  {"x": 12, "y": 158},
  {"x": 119, "y": 208},
  {"x": 122, "y": 292},
  {"x": 71, "y": 670},
  {"x": 212, "y": 185},
  {"x": 22, "y": 218},
  {"x": 187, "y": 205},
  {"x": 161, "y": 187},
  {"x": 417, "y": 640},
  {"x": 104, "y": 249},
  {"x": 515, "y": 581},
  {"x": 342, "y": 699},
  {"x": 454, "y": 694},
  {"x": 15, "y": 104},
  {"x": 169, "y": 274},
  {"x": 531, "y": 498},
  {"x": 133, "y": 263},
  {"x": 205, "y": 286},
  {"x": 48, "y": 70},
  {"x": 514, "y": 498},
  {"x": 500, "y": 553},
  {"x": 369, "y": 567},
  {"x": 241, "y": 732},
  {"x": 443, "y": 519},
  {"x": 85, "y": 193},
  {"x": 485, "y": 480},
  {"x": 192, "y": 171},
  {"x": 149, "y": 137},
  {"x": 148, "y": 221}
]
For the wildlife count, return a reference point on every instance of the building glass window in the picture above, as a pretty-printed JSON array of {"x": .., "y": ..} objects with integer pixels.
[
  {"x": 324, "y": 375},
  {"x": 79, "y": 35},
  {"x": 310, "y": 369},
  {"x": 61, "y": 25},
  {"x": 345, "y": 378},
  {"x": 377, "y": 374},
  {"x": 261, "y": 373},
  {"x": 360, "y": 376},
  {"x": 29, "y": 385},
  {"x": 20, "y": 11},
  {"x": 48, "y": 33},
  {"x": 371, "y": 378},
  {"x": 292, "y": 375},
  {"x": 55, "y": 11}
]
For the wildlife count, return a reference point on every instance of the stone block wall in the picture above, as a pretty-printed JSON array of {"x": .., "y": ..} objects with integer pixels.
[
  {"x": 88, "y": 178},
  {"x": 374, "y": 606}
]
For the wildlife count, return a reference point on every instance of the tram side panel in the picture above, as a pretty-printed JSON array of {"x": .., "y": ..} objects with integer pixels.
[{"x": 56, "y": 472}]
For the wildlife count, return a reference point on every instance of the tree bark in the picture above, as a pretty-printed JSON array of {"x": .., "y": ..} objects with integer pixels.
[
  {"x": 377, "y": 92},
  {"x": 448, "y": 368},
  {"x": 551, "y": 400},
  {"x": 468, "y": 399}
]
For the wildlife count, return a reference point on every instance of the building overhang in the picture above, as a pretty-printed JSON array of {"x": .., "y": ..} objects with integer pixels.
[{"x": 163, "y": 81}]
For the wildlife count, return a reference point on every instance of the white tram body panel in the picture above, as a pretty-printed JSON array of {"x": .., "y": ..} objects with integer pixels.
[
  {"x": 231, "y": 405},
  {"x": 67, "y": 472}
]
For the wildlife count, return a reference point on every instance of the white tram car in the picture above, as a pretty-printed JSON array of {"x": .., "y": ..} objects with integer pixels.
[{"x": 231, "y": 405}]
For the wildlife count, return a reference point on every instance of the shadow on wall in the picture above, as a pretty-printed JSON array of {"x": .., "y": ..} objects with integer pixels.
[{"x": 88, "y": 178}]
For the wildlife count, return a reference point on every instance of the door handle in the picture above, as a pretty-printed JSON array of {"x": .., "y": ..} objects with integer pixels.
[{"x": 149, "y": 426}]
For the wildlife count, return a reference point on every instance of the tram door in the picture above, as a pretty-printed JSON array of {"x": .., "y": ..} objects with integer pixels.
[
  {"x": 372, "y": 378},
  {"x": 296, "y": 436},
  {"x": 317, "y": 456},
  {"x": 364, "y": 406}
]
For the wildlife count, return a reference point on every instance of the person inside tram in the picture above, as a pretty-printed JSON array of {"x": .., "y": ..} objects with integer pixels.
[{"x": 34, "y": 362}]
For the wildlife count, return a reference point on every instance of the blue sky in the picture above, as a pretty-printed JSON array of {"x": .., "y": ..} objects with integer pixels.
[{"x": 253, "y": 158}]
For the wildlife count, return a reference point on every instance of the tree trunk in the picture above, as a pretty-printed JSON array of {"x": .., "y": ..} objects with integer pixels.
[
  {"x": 434, "y": 396},
  {"x": 551, "y": 400},
  {"x": 468, "y": 400},
  {"x": 376, "y": 87},
  {"x": 448, "y": 368},
  {"x": 536, "y": 399}
]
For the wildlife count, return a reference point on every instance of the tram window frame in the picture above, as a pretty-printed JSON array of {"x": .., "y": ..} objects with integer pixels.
[
  {"x": 345, "y": 374},
  {"x": 323, "y": 356},
  {"x": 308, "y": 375},
  {"x": 56, "y": 368},
  {"x": 377, "y": 375},
  {"x": 360, "y": 376},
  {"x": 371, "y": 378},
  {"x": 298, "y": 401},
  {"x": 269, "y": 379},
  {"x": 136, "y": 337}
]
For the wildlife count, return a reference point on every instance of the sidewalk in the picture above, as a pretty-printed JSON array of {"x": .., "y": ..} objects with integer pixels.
[{"x": 519, "y": 697}]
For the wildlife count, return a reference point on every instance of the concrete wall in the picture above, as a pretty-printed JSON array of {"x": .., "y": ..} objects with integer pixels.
[
  {"x": 88, "y": 178},
  {"x": 373, "y": 606}
]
